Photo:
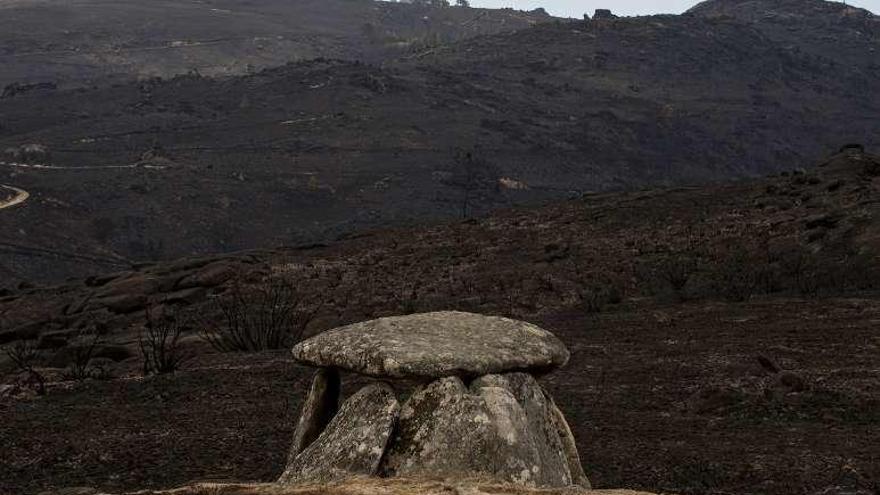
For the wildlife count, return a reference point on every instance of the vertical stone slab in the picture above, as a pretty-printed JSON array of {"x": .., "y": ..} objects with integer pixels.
[
  {"x": 447, "y": 429},
  {"x": 579, "y": 477},
  {"x": 352, "y": 444},
  {"x": 317, "y": 411},
  {"x": 553, "y": 462}
]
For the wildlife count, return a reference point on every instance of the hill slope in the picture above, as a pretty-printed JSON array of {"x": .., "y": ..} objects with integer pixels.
[
  {"x": 192, "y": 165},
  {"x": 82, "y": 41}
]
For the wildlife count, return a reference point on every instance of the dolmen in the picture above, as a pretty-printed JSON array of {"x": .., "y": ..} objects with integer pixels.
[{"x": 475, "y": 411}]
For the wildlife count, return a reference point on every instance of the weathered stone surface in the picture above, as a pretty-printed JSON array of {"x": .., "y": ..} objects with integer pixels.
[
  {"x": 353, "y": 442},
  {"x": 448, "y": 430},
  {"x": 578, "y": 476},
  {"x": 553, "y": 461},
  {"x": 434, "y": 345},
  {"x": 318, "y": 410}
]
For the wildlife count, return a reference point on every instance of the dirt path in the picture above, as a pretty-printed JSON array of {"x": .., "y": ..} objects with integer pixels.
[
  {"x": 39, "y": 166},
  {"x": 20, "y": 197}
]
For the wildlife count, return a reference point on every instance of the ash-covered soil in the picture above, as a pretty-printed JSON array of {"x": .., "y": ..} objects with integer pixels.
[{"x": 723, "y": 338}]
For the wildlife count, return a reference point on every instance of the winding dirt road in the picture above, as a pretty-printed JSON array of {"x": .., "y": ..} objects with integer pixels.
[
  {"x": 39, "y": 166},
  {"x": 19, "y": 197}
]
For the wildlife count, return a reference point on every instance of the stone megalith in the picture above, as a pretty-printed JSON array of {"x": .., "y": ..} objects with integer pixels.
[
  {"x": 503, "y": 426},
  {"x": 352, "y": 444},
  {"x": 433, "y": 345}
]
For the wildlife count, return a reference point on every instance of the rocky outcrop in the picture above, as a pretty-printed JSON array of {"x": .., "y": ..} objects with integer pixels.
[
  {"x": 434, "y": 345},
  {"x": 352, "y": 444}
]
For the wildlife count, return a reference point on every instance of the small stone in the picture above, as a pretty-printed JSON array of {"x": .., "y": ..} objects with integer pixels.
[
  {"x": 435, "y": 345},
  {"x": 352, "y": 444}
]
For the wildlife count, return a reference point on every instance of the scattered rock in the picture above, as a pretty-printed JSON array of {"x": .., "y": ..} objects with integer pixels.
[
  {"x": 210, "y": 276},
  {"x": 50, "y": 341},
  {"x": 185, "y": 296},
  {"x": 27, "y": 331},
  {"x": 713, "y": 400},
  {"x": 768, "y": 364},
  {"x": 9, "y": 390},
  {"x": 352, "y": 444},
  {"x": 120, "y": 304},
  {"x": 791, "y": 382},
  {"x": 102, "y": 280},
  {"x": 825, "y": 220},
  {"x": 138, "y": 284},
  {"x": 186, "y": 264},
  {"x": 115, "y": 353},
  {"x": 434, "y": 345}
]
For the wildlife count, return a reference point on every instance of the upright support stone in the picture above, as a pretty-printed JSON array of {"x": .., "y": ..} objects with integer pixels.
[
  {"x": 447, "y": 429},
  {"x": 553, "y": 466},
  {"x": 352, "y": 444},
  {"x": 579, "y": 477},
  {"x": 317, "y": 411}
]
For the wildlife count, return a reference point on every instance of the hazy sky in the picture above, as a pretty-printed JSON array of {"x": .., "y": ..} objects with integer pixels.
[{"x": 576, "y": 8}]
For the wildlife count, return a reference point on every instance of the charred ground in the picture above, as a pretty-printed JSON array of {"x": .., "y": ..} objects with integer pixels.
[{"x": 723, "y": 339}]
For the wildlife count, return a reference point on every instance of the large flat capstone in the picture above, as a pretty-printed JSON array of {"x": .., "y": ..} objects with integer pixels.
[{"x": 434, "y": 345}]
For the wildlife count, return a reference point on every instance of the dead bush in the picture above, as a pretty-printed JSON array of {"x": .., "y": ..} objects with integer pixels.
[
  {"x": 273, "y": 315},
  {"x": 80, "y": 367},
  {"x": 668, "y": 275},
  {"x": 735, "y": 274},
  {"x": 594, "y": 297},
  {"x": 160, "y": 344},
  {"x": 25, "y": 354},
  {"x": 802, "y": 268}
]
